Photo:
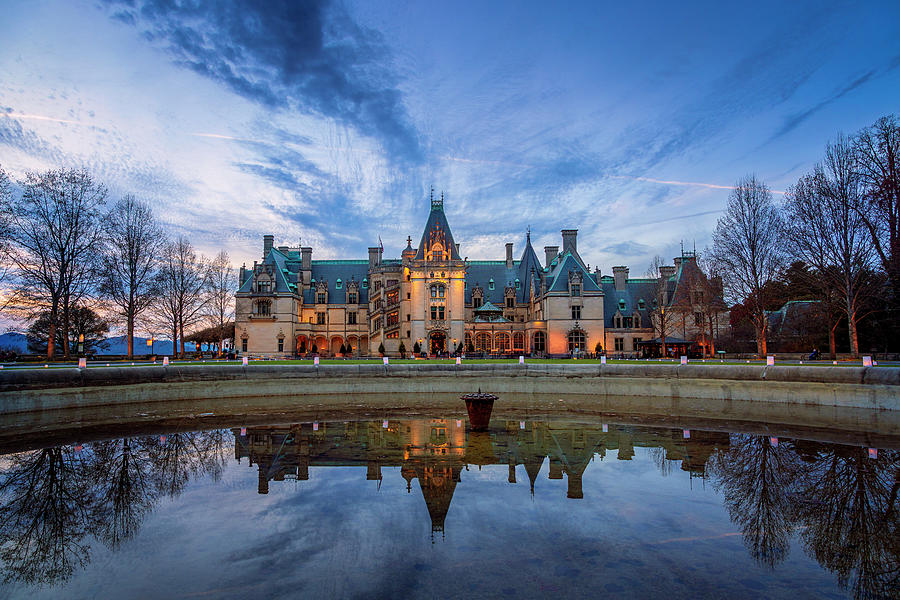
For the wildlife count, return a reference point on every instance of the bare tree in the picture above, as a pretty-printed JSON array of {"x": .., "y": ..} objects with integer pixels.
[
  {"x": 181, "y": 281},
  {"x": 827, "y": 232},
  {"x": 222, "y": 284},
  {"x": 748, "y": 249},
  {"x": 6, "y": 197},
  {"x": 134, "y": 241},
  {"x": 56, "y": 231},
  {"x": 878, "y": 163},
  {"x": 662, "y": 317}
]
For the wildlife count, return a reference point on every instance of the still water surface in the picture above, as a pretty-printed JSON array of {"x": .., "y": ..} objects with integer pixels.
[{"x": 424, "y": 508}]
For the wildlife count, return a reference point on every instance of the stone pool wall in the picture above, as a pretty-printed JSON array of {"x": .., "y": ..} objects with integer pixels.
[{"x": 856, "y": 387}]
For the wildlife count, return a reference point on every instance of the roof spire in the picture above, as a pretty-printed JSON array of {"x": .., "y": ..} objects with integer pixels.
[{"x": 437, "y": 204}]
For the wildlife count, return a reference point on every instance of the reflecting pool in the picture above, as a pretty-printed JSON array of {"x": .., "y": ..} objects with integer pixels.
[{"x": 424, "y": 507}]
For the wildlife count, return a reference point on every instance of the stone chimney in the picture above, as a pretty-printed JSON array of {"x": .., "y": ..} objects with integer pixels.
[
  {"x": 242, "y": 276},
  {"x": 306, "y": 258},
  {"x": 550, "y": 253},
  {"x": 620, "y": 274},
  {"x": 509, "y": 254},
  {"x": 268, "y": 242},
  {"x": 569, "y": 240},
  {"x": 374, "y": 257},
  {"x": 666, "y": 272}
]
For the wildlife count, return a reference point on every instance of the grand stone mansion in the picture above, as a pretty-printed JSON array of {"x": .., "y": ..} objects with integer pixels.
[{"x": 290, "y": 304}]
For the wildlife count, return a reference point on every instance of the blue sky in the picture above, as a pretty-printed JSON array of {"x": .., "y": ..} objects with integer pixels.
[{"x": 330, "y": 121}]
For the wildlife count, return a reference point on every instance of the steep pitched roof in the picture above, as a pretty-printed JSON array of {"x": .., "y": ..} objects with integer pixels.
[
  {"x": 558, "y": 275},
  {"x": 528, "y": 270},
  {"x": 436, "y": 229}
]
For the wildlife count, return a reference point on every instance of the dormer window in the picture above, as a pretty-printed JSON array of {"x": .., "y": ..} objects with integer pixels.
[
  {"x": 641, "y": 304},
  {"x": 491, "y": 284},
  {"x": 576, "y": 289},
  {"x": 621, "y": 304},
  {"x": 365, "y": 283},
  {"x": 264, "y": 286},
  {"x": 338, "y": 284},
  {"x": 351, "y": 298},
  {"x": 518, "y": 283},
  {"x": 321, "y": 297}
]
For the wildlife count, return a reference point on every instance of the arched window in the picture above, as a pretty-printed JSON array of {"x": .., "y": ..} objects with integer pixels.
[
  {"x": 502, "y": 342},
  {"x": 540, "y": 341},
  {"x": 483, "y": 342},
  {"x": 576, "y": 341},
  {"x": 519, "y": 340}
]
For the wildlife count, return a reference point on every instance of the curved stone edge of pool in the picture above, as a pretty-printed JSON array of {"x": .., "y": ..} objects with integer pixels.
[{"x": 858, "y": 387}]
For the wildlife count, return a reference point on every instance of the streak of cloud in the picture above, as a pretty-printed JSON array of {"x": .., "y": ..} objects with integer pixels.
[
  {"x": 40, "y": 118},
  {"x": 713, "y": 186}
]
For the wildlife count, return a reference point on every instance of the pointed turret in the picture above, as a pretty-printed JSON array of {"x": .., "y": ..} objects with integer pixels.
[{"x": 437, "y": 241}]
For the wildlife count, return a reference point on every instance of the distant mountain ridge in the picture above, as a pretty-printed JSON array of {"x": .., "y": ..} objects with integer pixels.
[{"x": 115, "y": 345}]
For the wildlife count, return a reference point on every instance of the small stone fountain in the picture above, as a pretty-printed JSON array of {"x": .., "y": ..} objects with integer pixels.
[{"x": 479, "y": 406}]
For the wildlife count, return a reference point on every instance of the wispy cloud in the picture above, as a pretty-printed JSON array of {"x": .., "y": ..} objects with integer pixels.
[
  {"x": 712, "y": 186},
  {"x": 307, "y": 56},
  {"x": 39, "y": 118}
]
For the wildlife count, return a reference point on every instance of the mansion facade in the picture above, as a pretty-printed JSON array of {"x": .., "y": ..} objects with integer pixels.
[{"x": 290, "y": 304}]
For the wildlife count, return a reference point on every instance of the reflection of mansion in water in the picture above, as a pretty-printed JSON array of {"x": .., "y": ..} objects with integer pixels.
[
  {"x": 289, "y": 304},
  {"x": 435, "y": 452}
]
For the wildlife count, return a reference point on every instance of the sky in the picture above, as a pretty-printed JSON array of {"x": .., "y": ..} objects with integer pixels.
[{"x": 327, "y": 123}]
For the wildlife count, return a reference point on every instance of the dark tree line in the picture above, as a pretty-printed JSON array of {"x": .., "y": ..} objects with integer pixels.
[
  {"x": 76, "y": 259},
  {"x": 838, "y": 229}
]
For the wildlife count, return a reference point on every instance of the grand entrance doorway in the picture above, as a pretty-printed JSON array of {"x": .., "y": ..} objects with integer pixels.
[{"x": 438, "y": 342}]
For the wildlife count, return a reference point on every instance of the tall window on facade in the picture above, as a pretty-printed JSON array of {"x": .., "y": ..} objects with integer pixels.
[
  {"x": 635, "y": 343},
  {"x": 351, "y": 318},
  {"x": 243, "y": 344},
  {"x": 519, "y": 340},
  {"x": 437, "y": 312},
  {"x": 320, "y": 298},
  {"x": 393, "y": 318},
  {"x": 619, "y": 344},
  {"x": 469, "y": 340},
  {"x": 576, "y": 312},
  {"x": 483, "y": 342},
  {"x": 320, "y": 318},
  {"x": 540, "y": 341},
  {"x": 281, "y": 344},
  {"x": 393, "y": 297},
  {"x": 576, "y": 289},
  {"x": 576, "y": 341},
  {"x": 503, "y": 342}
]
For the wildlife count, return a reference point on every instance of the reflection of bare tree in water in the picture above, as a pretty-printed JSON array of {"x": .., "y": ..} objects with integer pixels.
[
  {"x": 124, "y": 493},
  {"x": 757, "y": 480},
  {"x": 51, "y": 499},
  {"x": 183, "y": 455},
  {"x": 658, "y": 455},
  {"x": 850, "y": 509},
  {"x": 44, "y": 515}
]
